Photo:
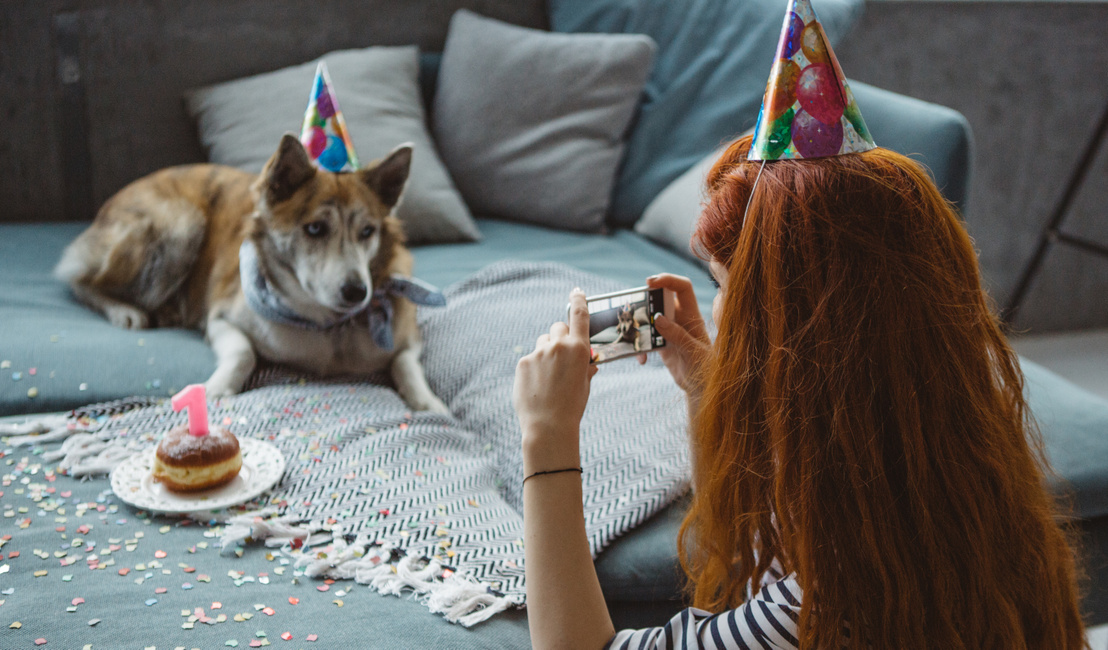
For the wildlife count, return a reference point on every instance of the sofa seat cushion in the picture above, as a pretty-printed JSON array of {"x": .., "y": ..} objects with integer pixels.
[{"x": 78, "y": 358}]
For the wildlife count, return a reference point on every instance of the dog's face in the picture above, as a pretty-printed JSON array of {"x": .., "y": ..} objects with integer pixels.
[{"x": 319, "y": 234}]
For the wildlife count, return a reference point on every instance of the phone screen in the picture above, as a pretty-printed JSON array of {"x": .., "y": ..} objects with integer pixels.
[{"x": 622, "y": 324}]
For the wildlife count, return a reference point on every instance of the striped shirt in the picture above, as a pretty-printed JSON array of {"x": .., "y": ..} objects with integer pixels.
[{"x": 766, "y": 622}]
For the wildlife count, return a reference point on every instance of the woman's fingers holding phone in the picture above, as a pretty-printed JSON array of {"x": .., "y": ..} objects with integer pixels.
[
  {"x": 558, "y": 329},
  {"x": 686, "y": 310},
  {"x": 683, "y": 352},
  {"x": 579, "y": 316}
]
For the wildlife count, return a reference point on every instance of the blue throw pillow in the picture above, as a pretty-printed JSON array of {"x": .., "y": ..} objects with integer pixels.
[{"x": 710, "y": 72}]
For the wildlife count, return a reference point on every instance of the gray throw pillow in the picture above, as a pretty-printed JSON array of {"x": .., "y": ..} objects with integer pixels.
[
  {"x": 671, "y": 217},
  {"x": 532, "y": 124},
  {"x": 240, "y": 123}
]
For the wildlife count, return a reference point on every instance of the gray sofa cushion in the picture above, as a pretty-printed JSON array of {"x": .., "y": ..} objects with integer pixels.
[
  {"x": 240, "y": 123},
  {"x": 531, "y": 124}
]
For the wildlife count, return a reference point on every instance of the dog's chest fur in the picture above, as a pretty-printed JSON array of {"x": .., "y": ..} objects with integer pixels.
[{"x": 346, "y": 349}]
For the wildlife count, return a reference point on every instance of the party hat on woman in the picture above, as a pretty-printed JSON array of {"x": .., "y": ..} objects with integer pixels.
[
  {"x": 808, "y": 110},
  {"x": 324, "y": 133}
]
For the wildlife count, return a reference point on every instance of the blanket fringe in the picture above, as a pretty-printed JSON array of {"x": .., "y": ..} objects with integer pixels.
[
  {"x": 274, "y": 532},
  {"x": 458, "y": 598}
]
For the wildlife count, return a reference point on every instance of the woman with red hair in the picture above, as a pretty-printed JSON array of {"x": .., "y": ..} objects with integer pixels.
[{"x": 865, "y": 470}]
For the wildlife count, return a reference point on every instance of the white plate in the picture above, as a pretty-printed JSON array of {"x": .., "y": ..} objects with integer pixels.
[{"x": 262, "y": 467}]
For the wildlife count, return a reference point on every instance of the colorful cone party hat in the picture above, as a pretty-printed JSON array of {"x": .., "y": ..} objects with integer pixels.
[
  {"x": 324, "y": 133},
  {"x": 808, "y": 110}
]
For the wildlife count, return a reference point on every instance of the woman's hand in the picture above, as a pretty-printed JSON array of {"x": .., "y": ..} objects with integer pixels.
[
  {"x": 687, "y": 343},
  {"x": 551, "y": 390}
]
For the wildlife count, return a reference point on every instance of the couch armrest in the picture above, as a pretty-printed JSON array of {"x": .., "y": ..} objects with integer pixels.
[{"x": 937, "y": 136}]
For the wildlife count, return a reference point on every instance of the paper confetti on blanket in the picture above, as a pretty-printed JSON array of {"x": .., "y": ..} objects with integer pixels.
[{"x": 422, "y": 502}]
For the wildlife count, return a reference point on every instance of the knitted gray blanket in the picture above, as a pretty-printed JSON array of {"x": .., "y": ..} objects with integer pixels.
[{"x": 419, "y": 502}]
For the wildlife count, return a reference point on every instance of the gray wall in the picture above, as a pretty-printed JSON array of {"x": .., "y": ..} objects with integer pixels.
[
  {"x": 1032, "y": 79},
  {"x": 90, "y": 90}
]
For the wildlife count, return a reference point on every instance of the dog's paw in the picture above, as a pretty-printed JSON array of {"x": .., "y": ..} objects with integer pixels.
[
  {"x": 216, "y": 388},
  {"x": 129, "y": 318},
  {"x": 429, "y": 403}
]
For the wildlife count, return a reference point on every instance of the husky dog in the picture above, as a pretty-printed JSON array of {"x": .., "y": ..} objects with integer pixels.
[
  {"x": 322, "y": 258},
  {"x": 627, "y": 330}
]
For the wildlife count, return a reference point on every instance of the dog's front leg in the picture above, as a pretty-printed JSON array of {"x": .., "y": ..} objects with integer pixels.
[
  {"x": 234, "y": 358},
  {"x": 411, "y": 383}
]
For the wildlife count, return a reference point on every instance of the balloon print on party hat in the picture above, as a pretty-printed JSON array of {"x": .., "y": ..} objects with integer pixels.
[
  {"x": 808, "y": 110},
  {"x": 324, "y": 133}
]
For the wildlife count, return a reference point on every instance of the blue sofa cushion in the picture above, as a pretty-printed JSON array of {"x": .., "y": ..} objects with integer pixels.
[{"x": 709, "y": 76}]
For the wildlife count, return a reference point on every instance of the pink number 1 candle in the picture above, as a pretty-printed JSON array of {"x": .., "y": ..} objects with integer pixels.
[{"x": 194, "y": 399}]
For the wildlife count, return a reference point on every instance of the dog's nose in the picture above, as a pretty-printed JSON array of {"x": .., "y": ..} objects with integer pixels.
[{"x": 353, "y": 292}]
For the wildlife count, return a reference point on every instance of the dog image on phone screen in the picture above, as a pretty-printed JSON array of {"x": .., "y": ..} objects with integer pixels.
[
  {"x": 628, "y": 328},
  {"x": 297, "y": 265},
  {"x": 622, "y": 324}
]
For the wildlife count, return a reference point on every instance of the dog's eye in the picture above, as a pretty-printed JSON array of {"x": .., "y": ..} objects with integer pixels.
[
  {"x": 316, "y": 229},
  {"x": 367, "y": 232}
]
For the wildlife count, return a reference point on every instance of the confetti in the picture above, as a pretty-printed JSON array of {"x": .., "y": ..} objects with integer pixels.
[
  {"x": 294, "y": 600},
  {"x": 32, "y": 393},
  {"x": 151, "y": 601},
  {"x": 160, "y": 590},
  {"x": 217, "y": 605},
  {"x": 232, "y": 643},
  {"x": 312, "y": 637},
  {"x": 40, "y": 641},
  {"x": 77, "y": 601},
  {"x": 159, "y": 554},
  {"x": 337, "y": 602},
  {"x": 15, "y": 626},
  {"x": 287, "y": 636},
  {"x": 93, "y": 621}
]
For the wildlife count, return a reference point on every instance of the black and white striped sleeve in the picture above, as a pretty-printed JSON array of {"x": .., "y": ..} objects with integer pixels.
[{"x": 767, "y": 622}]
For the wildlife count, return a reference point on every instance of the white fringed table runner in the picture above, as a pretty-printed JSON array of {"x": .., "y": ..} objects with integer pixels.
[{"x": 421, "y": 502}]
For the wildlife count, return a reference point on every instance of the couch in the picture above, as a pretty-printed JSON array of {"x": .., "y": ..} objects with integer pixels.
[{"x": 78, "y": 358}]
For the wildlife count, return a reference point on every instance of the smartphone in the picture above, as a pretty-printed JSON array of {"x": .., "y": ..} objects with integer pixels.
[{"x": 621, "y": 324}]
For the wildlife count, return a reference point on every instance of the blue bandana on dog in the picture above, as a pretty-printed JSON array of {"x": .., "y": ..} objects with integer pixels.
[{"x": 379, "y": 312}]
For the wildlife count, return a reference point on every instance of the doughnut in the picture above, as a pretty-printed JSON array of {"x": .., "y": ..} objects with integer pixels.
[{"x": 187, "y": 463}]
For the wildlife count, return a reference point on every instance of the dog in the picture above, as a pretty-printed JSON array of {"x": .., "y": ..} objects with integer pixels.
[
  {"x": 627, "y": 329},
  {"x": 321, "y": 247}
]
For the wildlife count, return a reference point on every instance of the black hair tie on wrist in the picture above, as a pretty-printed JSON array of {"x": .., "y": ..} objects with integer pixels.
[{"x": 554, "y": 471}]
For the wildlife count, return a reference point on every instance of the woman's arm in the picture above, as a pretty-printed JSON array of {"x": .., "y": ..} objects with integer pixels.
[{"x": 565, "y": 607}]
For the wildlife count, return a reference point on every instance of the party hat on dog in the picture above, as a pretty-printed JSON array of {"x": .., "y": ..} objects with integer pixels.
[
  {"x": 808, "y": 110},
  {"x": 324, "y": 133}
]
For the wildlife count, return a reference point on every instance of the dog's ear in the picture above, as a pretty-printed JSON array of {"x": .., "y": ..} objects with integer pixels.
[
  {"x": 287, "y": 170},
  {"x": 387, "y": 178}
]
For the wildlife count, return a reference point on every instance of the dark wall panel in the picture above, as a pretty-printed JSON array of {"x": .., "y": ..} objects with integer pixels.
[
  {"x": 136, "y": 58},
  {"x": 1031, "y": 79}
]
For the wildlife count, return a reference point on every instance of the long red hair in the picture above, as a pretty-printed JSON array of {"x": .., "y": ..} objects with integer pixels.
[{"x": 863, "y": 421}]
